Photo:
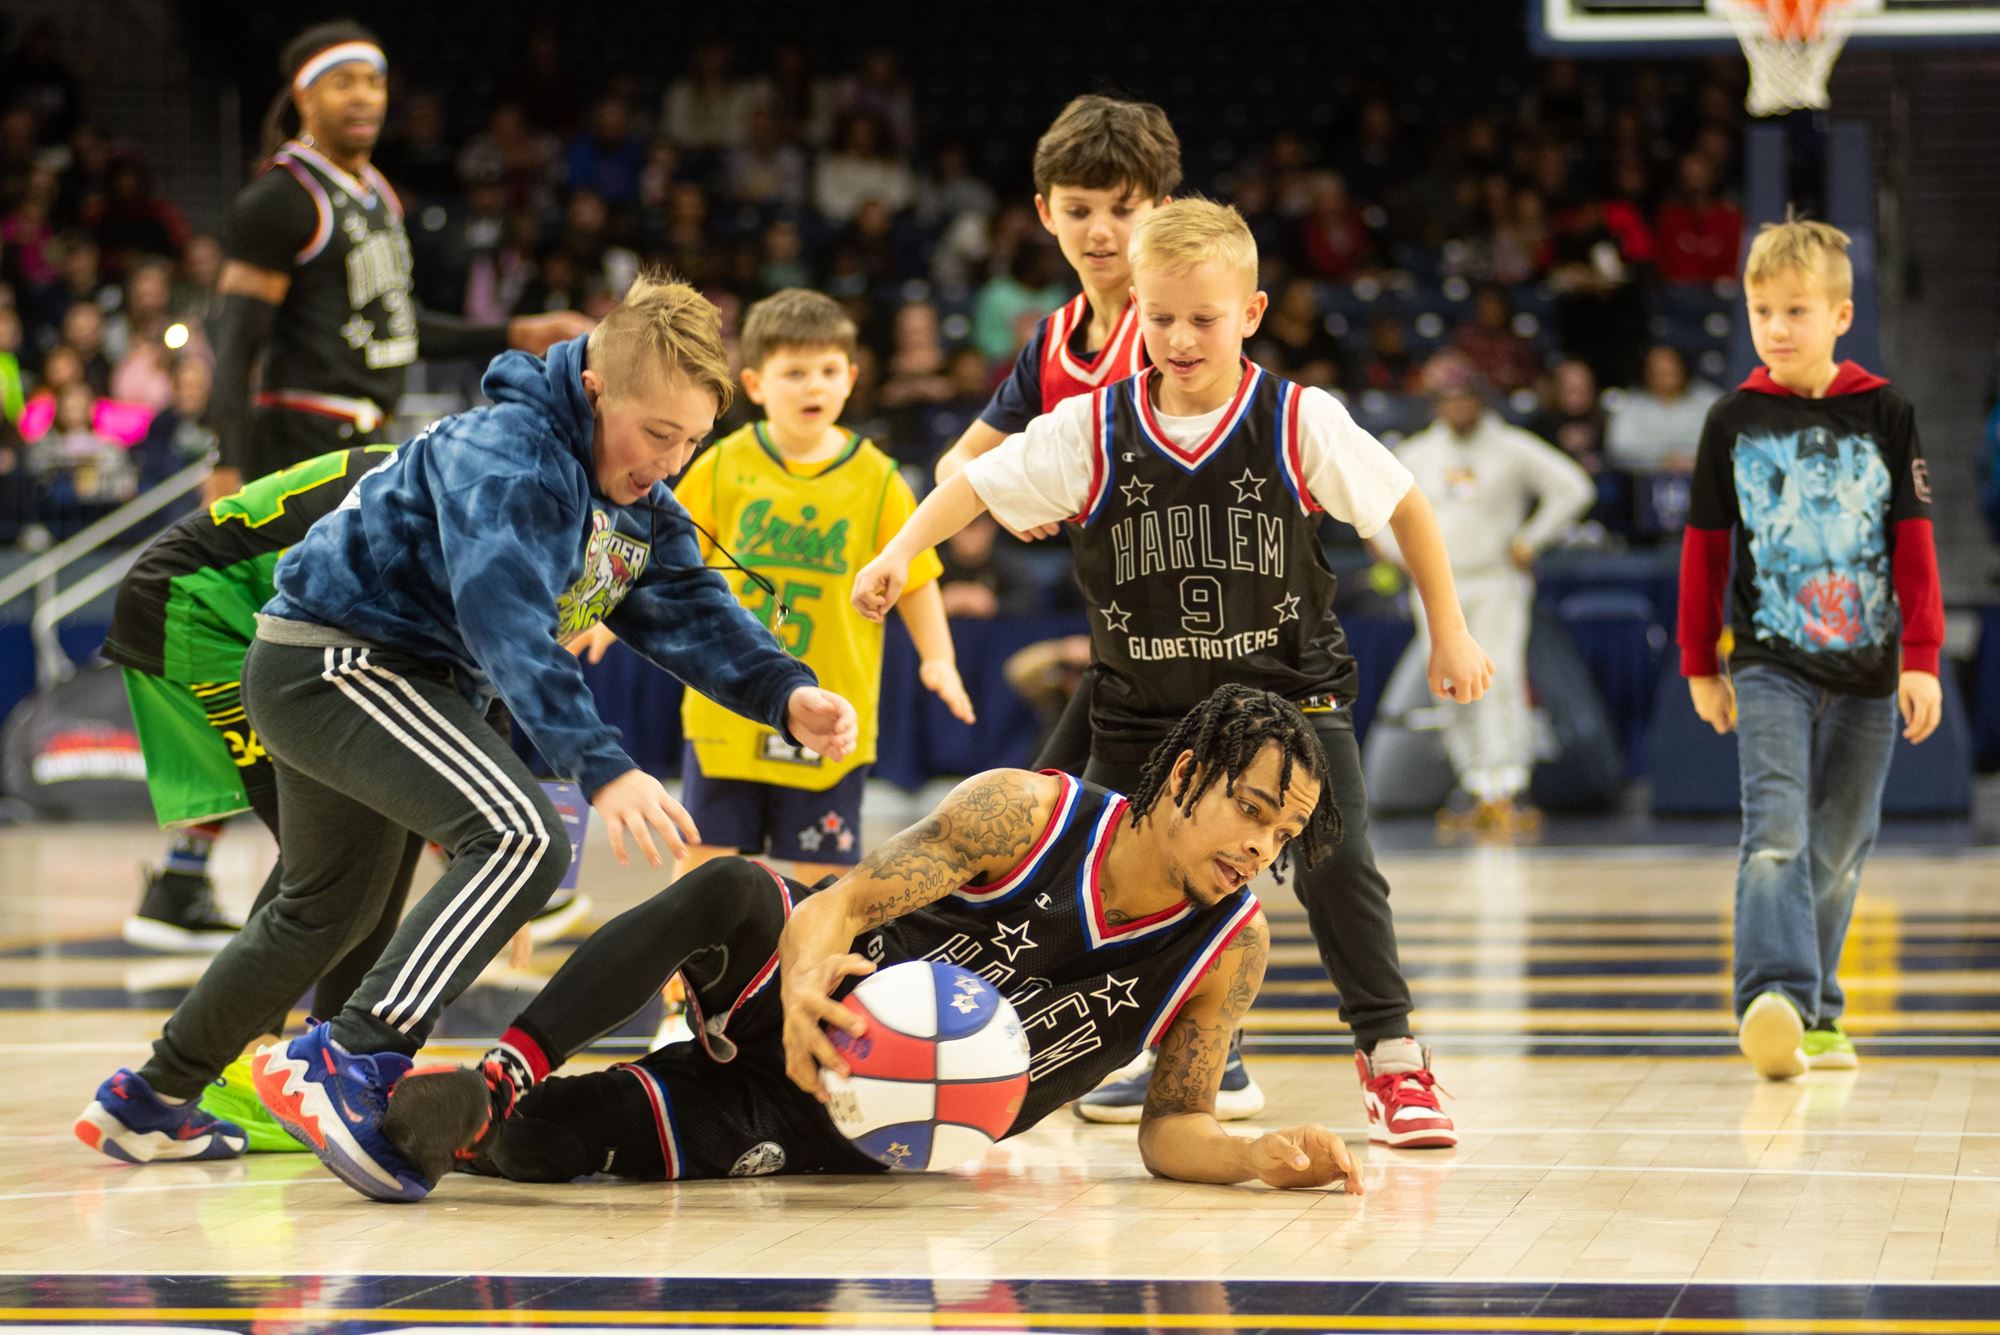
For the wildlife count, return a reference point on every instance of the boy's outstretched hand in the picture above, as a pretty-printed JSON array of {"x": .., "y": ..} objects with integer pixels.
[
  {"x": 879, "y": 585},
  {"x": 593, "y": 643},
  {"x": 635, "y": 801},
  {"x": 940, "y": 677},
  {"x": 1715, "y": 701},
  {"x": 1921, "y": 699},
  {"x": 822, "y": 721},
  {"x": 1459, "y": 668}
]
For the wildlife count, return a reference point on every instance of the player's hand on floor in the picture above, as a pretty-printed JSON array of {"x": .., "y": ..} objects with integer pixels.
[
  {"x": 1921, "y": 699},
  {"x": 823, "y": 721},
  {"x": 1715, "y": 701},
  {"x": 879, "y": 585},
  {"x": 1459, "y": 668},
  {"x": 1304, "y": 1156},
  {"x": 809, "y": 1008},
  {"x": 591, "y": 645},
  {"x": 636, "y": 804},
  {"x": 940, "y": 678}
]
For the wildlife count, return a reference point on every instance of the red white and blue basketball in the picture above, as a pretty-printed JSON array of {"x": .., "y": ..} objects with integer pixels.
[{"x": 939, "y": 1074}]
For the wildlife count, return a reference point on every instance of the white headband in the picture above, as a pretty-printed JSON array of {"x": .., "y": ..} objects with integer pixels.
[{"x": 366, "y": 52}]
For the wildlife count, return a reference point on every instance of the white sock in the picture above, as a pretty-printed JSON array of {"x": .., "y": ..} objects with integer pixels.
[{"x": 1395, "y": 1056}]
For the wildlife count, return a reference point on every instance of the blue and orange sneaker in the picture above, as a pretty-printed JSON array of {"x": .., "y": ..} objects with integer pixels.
[
  {"x": 335, "y": 1101},
  {"x": 128, "y": 1121}
]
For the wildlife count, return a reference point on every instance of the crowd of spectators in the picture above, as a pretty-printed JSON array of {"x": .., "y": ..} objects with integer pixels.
[{"x": 1542, "y": 238}]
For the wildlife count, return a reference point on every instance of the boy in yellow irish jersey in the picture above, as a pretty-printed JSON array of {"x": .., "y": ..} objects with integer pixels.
[{"x": 805, "y": 503}]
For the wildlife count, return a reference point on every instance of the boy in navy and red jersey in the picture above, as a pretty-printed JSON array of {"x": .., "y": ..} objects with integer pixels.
[{"x": 1816, "y": 469}]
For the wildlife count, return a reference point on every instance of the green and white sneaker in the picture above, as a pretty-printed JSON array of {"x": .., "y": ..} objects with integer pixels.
[
  {"x": 233, "y": 1098},
  {"x": 1828, "y": 1048},
  {"x": 1772, "y": 1036}
]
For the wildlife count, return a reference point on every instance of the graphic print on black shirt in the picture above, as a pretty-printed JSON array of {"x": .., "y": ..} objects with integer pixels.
[
  {"x": 1814, "y": 489},
  {"x": 1203, "y": 566},
  {"x": 1090, "y": 993}
]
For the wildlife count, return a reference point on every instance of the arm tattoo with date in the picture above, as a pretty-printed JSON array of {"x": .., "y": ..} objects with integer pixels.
[
  {"x": 989, "y": 818},
  {"x": 1192, "y": 1053}
]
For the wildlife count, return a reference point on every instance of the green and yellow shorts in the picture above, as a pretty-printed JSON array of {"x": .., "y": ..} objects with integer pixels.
[{"x": 199, "y": 747}]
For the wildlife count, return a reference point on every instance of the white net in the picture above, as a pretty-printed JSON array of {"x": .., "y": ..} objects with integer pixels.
[{"x": 1791, "y": 46}]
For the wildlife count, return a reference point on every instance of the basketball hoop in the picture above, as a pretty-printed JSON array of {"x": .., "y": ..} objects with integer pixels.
[{"x": 1791, "y": 46}]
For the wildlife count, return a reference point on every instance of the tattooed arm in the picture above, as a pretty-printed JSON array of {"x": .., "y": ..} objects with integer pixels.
[
  {"x": 982, "y": 830},
  {"x": 1178, "y": 1134}
]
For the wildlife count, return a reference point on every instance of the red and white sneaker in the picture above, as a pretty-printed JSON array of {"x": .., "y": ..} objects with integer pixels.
[{"x": 1401, "y": 1095}]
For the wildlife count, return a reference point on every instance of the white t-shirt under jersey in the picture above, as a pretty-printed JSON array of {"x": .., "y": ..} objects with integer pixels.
[{"x": 1041, "y": 475}]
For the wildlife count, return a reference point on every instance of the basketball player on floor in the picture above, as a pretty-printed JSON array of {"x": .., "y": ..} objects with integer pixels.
[
  {"x": 317, "y": 282},
  {"x": 1195, "y": 489},
  {"x": 1109, "y": 924}
]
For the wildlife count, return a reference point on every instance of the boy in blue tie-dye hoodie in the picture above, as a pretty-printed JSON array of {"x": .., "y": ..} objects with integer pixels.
[{"x": 456, "y": 573}]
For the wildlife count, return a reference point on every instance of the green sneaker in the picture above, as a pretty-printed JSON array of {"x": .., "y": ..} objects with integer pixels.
[
  {"x": 1772, "y": 1036},
  {"x": 234, "y": 1099},
  {"x": 1829, "y": 1048}
]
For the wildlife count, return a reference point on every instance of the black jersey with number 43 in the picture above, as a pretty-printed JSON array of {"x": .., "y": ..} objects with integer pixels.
[
  {"x": 348, "y": 325},
  {"x": 1090, "y": 993},
  {"x": 1202, "y": 566}
]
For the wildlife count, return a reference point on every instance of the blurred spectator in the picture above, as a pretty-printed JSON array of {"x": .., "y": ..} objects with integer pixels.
[
  {"x": 707, "y": 109},
  {"x": 606, "y": 159},
  {"x": 142, "y": 371},
  {"x": 83, "y": 332},
  {"x": 915, "y": 378},
  {"x": 1388, "y": 364},
  {"x": 782, "y": 264},
  {"x": 39, "y": 80},
  {"x": 803, "y": 100},
  {"x": 1518, "y": 247},
  {"x": 1294, "y": 340},
  {"x": 142, "y": 311},
  {"x": 951, "y": 190},
  {"x": 1574, "y": 420},
  {"x": 78, "y": 281},
  {"x": 1700, "y": 232},
  {"x": 541, "y": 84},
  {"x": 194, "y": 280},
  {"x": 74, "y": 461},
  {"x": 1375, "y": 165},
  {"x": 13, "y": 385},
  {"x": 763, "y": 169},
  {"x": 20, "y": 155},
  {"x": 83, "y": 181},
  {"x": 525, "y": 159},
  {"x": 879, "y": 90},
  {"x": 497, "y": 275},
  {"x": 27, "y": 233},
  {"x": 177, "y": 437},
  {"x": 872, "y": 241},
  {"x": 940, "y": 423},
  {"x": 863, "y": 165},
  {"x": 1505, "y": 359},
  {"x": 415, "y": 155},
  {"x": 1028, "y": 287},
  {"x": 61, "y": 368},
  {"x": 1600, "y": 310},
  {"x": 1656, "y": 428},
  {"x": 1334, "y": 240},
  {"x": 979, "y": 582},
  {"x": 131, "y": 220}
]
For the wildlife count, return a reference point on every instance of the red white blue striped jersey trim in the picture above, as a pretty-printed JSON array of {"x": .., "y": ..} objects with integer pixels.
[
  {"x": 1184, "y": 986},
  {"x": 663, "y": 1118},
  {"x": 1090, "y": 891},
  {"x": 1063, "y": 376},
  {"x": 1192, "y": 459},
  {"x": 1058, "y": 826},
  {"x": 758, "y": 982},
  {"x": 1100, "y": 456},
  {"x": 1291, "y": 451},
  {"x": 323, "y": 207}
]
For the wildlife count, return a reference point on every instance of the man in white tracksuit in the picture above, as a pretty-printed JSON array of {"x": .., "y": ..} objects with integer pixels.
[{"x": 1501, "y": 495}]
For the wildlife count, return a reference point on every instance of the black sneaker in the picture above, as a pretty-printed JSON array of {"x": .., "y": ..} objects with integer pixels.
[{"x": 178, "y": 916}]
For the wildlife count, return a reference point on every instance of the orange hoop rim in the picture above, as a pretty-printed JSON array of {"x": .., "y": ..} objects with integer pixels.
[{"x": 1792, "y": 20}]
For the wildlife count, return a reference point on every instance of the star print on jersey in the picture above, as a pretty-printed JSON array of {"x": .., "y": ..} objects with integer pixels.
[
  {"x": 1115, "y": 617},
  {"x": 1136, "y": 491},
  {"x": 1117, "y": 994},
  {"x": 1249, "y": 487},
  {"x": 1014, "y": 939},
  {"x": 1288, "y": 610}
]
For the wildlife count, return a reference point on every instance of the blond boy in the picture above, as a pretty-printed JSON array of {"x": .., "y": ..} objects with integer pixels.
[
  {"x": 1194, "y": 490},
  {"x": 1815, "y": 467}
]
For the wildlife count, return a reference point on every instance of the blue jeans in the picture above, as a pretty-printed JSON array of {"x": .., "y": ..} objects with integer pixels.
[{"x": 1813, "y": 763}]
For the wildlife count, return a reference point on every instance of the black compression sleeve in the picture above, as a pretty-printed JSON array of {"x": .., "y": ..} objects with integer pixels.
[
  {"x": 444, "y": 336},
  {"x": 241, "y": 330}
]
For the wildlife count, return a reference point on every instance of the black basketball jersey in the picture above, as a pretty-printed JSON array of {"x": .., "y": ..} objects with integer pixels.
[
  {"x": 1203, "y": 566},
  {"x": 348, "y": 325},
  {"x": 1090, "y": 994}
]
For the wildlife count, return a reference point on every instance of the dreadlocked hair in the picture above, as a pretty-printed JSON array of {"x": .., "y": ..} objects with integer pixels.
[
  {"x": 1226, "y": 732},
  {"x": 281, "y": 121}
]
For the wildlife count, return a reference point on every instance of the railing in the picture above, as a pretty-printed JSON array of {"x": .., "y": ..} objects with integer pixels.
[{"x": 52, "y": 603}]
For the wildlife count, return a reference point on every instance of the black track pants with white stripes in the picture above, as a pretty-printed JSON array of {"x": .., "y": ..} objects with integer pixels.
[{"x": 370, "y": 746}]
